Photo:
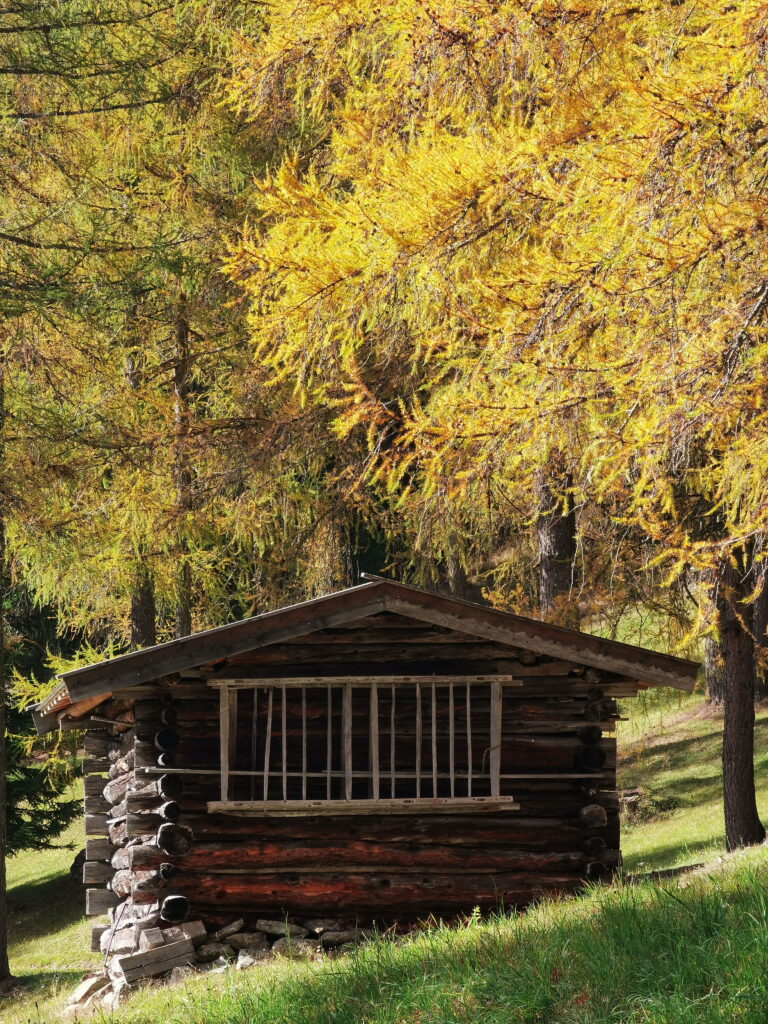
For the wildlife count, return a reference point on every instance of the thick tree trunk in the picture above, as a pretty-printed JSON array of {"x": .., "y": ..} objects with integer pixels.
[
  {"x": 182, "y": 469},
  {"x": 742, "y": 823},
  {"x": 556, "y": 536},
  {"x": 5, "y": 970},
  {"x": 760, "y": 630},
  {"x": 143, "y": 612}
]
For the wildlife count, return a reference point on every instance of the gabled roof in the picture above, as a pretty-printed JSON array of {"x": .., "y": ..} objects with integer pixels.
[{"x": 369, "y": 598}]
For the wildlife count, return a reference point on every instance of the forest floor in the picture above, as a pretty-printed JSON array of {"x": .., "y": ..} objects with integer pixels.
[{"x": 631, "y": 954}]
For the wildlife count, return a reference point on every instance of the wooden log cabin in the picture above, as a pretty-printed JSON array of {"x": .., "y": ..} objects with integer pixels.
[{"x": 383, "y": 752}]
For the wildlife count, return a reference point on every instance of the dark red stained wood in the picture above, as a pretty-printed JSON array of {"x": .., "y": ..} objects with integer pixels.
[
  {"x": 332, "y": 892},
  {"x": 531, "y": 832},
  {"x": 209, "y": 858}
]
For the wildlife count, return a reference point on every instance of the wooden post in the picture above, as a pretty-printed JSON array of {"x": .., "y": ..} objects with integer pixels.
[
  {"x": 346, "y": 727},
  {"x": 374, "y": 739},
  {"x": 254, "y": 738},
  {"x": 495, "y": 738},
  {"x": 434, "y": 740},
  {"x": 303, "y": 743},
  {"x": 224, "y": 695},
  {"x": 392, "y": 743},
  {"x": 329, "y": 745},
  {"x": 419, "y": 739},
  {"x": 451, "y": 741},
  {"x": 284, "y": 743},
  {"x": 469, "y": 741},
  {"x": 268, "y": 743}
]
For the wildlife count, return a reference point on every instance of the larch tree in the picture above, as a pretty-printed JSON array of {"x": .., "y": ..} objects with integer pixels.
[{"x": 529, "y": 230}]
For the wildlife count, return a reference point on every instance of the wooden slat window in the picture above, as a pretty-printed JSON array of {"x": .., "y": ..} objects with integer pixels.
[{"x": 383, "y": 741}]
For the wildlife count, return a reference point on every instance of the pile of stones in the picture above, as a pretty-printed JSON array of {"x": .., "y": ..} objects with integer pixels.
[{"x": 149, "y": 949}]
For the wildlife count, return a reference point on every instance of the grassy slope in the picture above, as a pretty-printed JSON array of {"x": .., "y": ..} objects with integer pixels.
[
  {"x": 578, "y": 962},
  {"x": 676, "y": 760}
]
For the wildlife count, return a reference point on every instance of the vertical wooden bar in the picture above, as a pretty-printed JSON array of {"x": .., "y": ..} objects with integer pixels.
[
  {"x": 434, "y": 740},
  {"x": 224, "y": 740},
  {"x": 373, "y": 741},
  {"x": 451, "y": 741},
  {"x": 392, "y": 743},
  {"x": 469, "y": 741},
  {"x": 268, "y": 742},
  {"x": 254, "y": 739},
  {"x": 303, "y": 743},
  {"x": 419, "y": 739},
  {"x": 329, "y": 746},
  {"x": 284, "y": 739},
  {"x": 495, "y": 738},
  {"x": 346, "y": 728}
]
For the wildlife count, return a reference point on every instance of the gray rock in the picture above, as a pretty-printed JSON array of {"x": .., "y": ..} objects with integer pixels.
[
  {"x": 250, "y": 957},
  {"x": 210, "y": 951},
  {"x": 218, "y": 966},
  {"x": 88, "y": 988},
  {"x": 318, "y": 925},
  {"x": 230, "y": 929},
  {"x": 118, "y": 941},
  {"x": 180, "y": 974},
  {"x": 297, "y": 948},
  {"x": 343, "y": 938},
  {"x": 248, "y": 940},
  {"x": 281, "y": 928}
]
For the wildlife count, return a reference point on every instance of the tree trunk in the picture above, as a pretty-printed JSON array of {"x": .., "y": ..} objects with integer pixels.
[
  {"x": 760, "y": 630},
  {"x": 742, "y": 823},
  {"x": 556, "y": 536},
  {"x": 714, "y": 674},
  {"x": 5, "y": 970},
  {"x": 182, "y": 469},
  {"x": 143, "y": 612}
]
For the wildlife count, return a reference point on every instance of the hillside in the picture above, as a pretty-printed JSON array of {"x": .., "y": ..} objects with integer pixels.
[{"x": 578, "y": 961}]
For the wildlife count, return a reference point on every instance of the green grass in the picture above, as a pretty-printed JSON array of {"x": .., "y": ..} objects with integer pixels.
[
  {"x": 637, "y": 955},
  {"x": 645, "y": 954},
  {"x": 676, "y": 764},
  {"x": 49, "y": 934}
]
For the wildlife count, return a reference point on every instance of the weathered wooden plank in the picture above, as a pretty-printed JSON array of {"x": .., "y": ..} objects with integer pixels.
[
  {"x": 268, "y": 742},
  {"x": 98, "y": 849},
  {"x": 224, "y": 739},
  {"x": 361, "y": 856},
  {"x": 96, "y": 872},
  {"x": 96, "y": 825},
  {"x": 419, "y": 740},
  {"x": 346, "y": 729},
  {"x": 284, "y": 741},
  {"x": 99, "y": 901},
  {"x": 334, "y": 891},
  {"x": 495, "y": 739},
  {"x": 150, "y": 962},
  {"x": 373, "y": 742},
  {"x": 398, "y": 806},
  {"x": 360, "y": 680}
]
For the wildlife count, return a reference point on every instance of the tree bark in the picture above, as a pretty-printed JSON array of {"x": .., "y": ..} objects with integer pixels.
[
  {"x": 742, "y": 823},
  {"x": 182, "y": 469},
  {"x": 714, "y": 675},
  {"x": 5, "y": 970},
  {"x": 143, "y": 611},
  {"x": 760, "y": 630},
  {"x": 556, "y": 536}
]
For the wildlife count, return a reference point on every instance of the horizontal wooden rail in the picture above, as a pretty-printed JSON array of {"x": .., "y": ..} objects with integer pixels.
[
  {"x": 364, "y": 681},
  {"x": 425, "y": 805}
]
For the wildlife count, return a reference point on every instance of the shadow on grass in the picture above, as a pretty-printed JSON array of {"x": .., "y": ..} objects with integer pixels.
[{"x": 51, "y": 903}]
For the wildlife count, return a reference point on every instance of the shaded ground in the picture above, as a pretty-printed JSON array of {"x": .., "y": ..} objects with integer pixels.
[{"x": 676, "y": 764}]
